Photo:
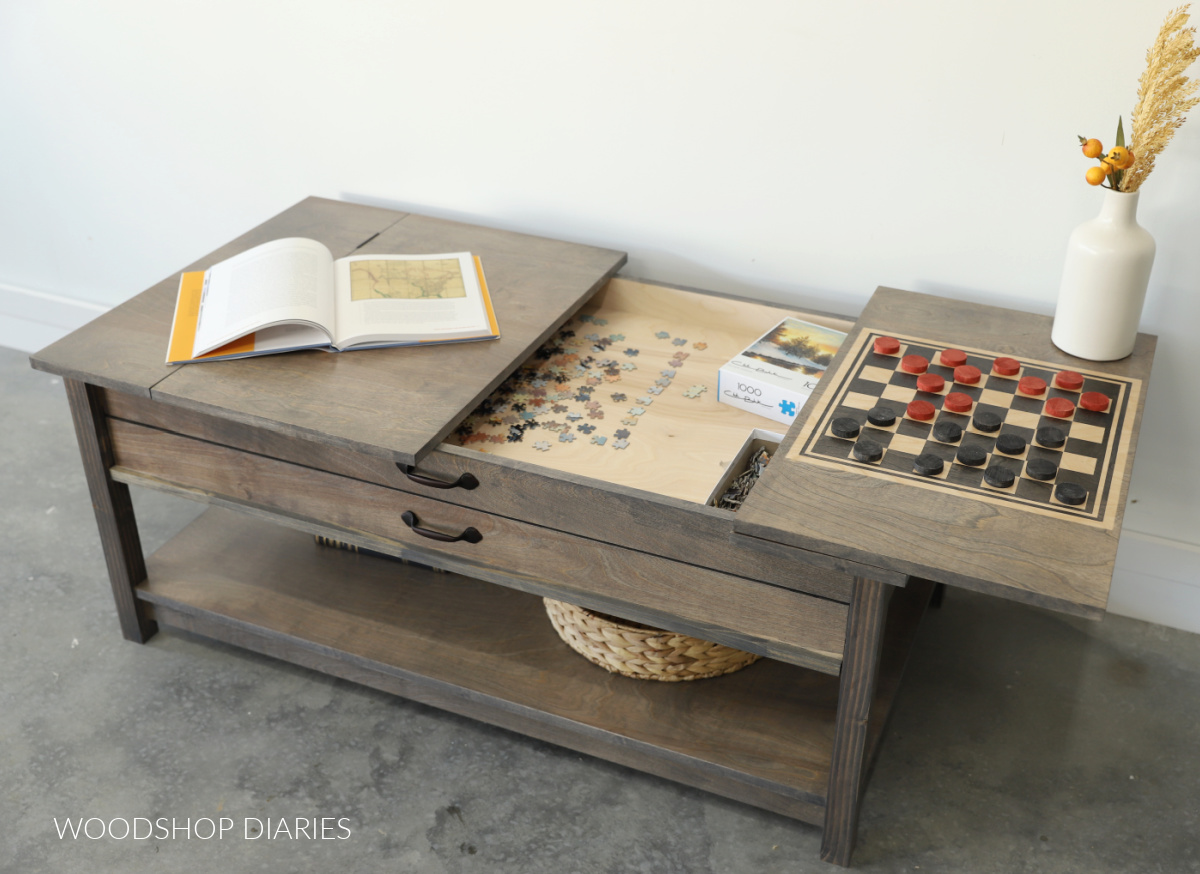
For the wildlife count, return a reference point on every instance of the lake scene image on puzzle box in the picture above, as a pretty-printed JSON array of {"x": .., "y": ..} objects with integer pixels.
[{"x": 797, "y": 345}]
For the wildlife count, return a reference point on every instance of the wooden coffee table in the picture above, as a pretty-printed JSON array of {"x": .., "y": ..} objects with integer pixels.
[{"x": 826, "y": 570}]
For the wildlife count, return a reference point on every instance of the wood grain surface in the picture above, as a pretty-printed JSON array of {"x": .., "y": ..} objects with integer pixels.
[
  {"x": 948, "y": 538},
  {"x": 860, "y": 671},
  {"x": 399, "y": 403},
  {"x": 126, "y": 347},
  {"x": 680, "y": 597},
  {"x": 114, "y": 509},
  {"x": 591, "y": 508},
  {"x": 762, "y": 735}
]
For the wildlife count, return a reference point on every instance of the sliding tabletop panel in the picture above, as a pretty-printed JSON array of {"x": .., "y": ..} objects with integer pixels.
[
  {"x": 399, "y": 403},
  {"x": 126, "y": 348},
  {"x": 1035, "y": 516}
]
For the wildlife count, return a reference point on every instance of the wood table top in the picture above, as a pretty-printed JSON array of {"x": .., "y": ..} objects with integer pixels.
[
  {"x": 1019, "y": 542},
  {"x": 399, "y": 402}
]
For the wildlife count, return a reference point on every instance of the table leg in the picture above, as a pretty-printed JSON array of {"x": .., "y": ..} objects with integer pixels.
[
  {"x": 860, "y": 670},
  {"x": 114, "y": 510}
]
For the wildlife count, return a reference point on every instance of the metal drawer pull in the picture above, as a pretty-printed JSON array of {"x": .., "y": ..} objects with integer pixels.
[
  {"x": 470, "y": 535},
  {"x": 466, "y": 481}
]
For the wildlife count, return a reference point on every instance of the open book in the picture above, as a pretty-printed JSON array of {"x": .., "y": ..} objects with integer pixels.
[{"x": 291, "y": 294}]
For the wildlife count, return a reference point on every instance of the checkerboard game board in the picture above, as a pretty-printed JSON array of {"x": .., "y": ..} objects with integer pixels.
[{"x": 995, "y": 436}]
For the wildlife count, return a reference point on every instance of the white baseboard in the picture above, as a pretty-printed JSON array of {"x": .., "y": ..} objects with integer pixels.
[
  {"x": 1156, "y": 579},
  {"x": 31, "y": 320}
]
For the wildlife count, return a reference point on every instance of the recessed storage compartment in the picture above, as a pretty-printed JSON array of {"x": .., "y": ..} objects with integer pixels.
[{"x": 626, "y": 392}]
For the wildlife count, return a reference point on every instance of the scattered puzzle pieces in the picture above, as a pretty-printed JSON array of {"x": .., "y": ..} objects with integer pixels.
[
  {"x": 695, "y": 391},
  {"x": 636, "y": 411},
  {"x": 621, "y": 434},
  {"x": 700, "y": 346},
  {"x": 599, "y": 439},
  {"x": 541, "y": 445},
  {"x": 679, "y": 341},
  {"x": 662, "y": 335},
  {"x": 620, "y": 444},
  {"x": 566, "y": 437},
  {"x": 631, "y": 352}
]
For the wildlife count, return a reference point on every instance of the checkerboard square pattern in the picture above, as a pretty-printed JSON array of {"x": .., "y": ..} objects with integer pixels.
[{"x": 1041, "y": 451}]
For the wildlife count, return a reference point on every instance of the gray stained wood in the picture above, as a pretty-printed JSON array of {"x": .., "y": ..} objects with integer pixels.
[
  {"x": 399, "y": 403},
  {"x": 738, "y": 612},
  {"x": 126, "y": 347},
  {"x": 591, "y": 508},
  {"x": 763, "y": 735},
  {"x": 950, "y": 538},
  {"x": 114, "y": 510},
  {"x": 848, "y": 762}
]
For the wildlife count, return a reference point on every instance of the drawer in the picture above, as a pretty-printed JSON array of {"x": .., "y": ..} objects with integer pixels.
[
  {"x": 748, "y": 614},
  {"x": 648, "y": 496}
]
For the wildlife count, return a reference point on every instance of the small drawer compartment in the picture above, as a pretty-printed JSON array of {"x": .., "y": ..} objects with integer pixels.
[{"x": 764, "y": 619}]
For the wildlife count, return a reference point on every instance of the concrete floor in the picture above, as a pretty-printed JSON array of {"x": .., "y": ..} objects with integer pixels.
[{"x": 1023, "y": 740}]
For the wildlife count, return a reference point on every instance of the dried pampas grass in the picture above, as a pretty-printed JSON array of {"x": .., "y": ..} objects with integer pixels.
[{"x": 1164, "y": 95}]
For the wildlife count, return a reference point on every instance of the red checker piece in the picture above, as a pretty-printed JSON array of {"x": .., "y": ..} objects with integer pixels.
[
  {"x": 1031, "y": 385},
  {"x": 1059, "y": 408},
  {"x": 1069, "y": 380},
  {"x": 1094, "y": 401},
  {"x": 953, "y": 357},
  {"x": 1006, "y": 366},
  {"x": 957, "y": 402},
  {"x": 914, "y": 363},
  {"x": 930, "y": 382},
  {"x": 922, "y": 411},
  {"x": 887, "y": 345},
  {"x": 967, "y": 375}
]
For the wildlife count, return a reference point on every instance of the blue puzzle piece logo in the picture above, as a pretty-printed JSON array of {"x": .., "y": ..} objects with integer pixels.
[{"x": 788, "y": 407}]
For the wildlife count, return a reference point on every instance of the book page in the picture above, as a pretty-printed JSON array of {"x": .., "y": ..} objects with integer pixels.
[
  {"x": 408, "y": 298},
  {"x": 289, "y": 280}
]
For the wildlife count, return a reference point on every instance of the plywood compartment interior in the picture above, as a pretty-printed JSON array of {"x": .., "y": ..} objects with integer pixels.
[{"x": 682, "y": 440}]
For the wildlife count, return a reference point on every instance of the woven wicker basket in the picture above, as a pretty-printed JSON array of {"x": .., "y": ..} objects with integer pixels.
[{"x": 638, "y": 651}]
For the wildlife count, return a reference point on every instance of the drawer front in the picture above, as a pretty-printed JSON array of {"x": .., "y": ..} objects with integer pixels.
[
  {"x": 766, "y": 619},
  {"x": 577, "y": 505}
]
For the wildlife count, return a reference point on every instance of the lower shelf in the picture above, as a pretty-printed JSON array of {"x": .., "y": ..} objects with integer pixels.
[{"x": 762, "y": 736}]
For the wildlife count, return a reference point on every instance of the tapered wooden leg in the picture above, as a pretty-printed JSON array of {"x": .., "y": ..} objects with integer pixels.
[
  {"x": 860, "y": 671},
  {"x": 114, "y": 510}
]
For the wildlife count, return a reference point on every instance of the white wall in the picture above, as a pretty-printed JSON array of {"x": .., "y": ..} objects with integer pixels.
[{"x": 798, "y": 150}]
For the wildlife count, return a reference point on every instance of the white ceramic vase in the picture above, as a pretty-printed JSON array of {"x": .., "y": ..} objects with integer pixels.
[{"x": 1104, "y": 282}]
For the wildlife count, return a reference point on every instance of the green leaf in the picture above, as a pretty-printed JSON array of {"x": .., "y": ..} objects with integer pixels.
[{"x": 1120, "y": 133}]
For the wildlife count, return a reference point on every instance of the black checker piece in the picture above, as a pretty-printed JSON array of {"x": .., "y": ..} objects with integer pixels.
[
  {"x": 1051, "y": 437},
  {"x": 867, "y": 450},
  {"x": 845, "y": 427},
  {"x": 1041, "y": 469},
  {"x": 1010, "y": 444},
  {"x": 987, "y": 421},
  {"x": 972, "y": 456},
  {"x": 928, "y": 464},
  {"x": 999, "y": 476},
  {"x": 1071, "y": 494},
  {"x": 882, "y": 417},
  {"x": 947, "y": 432}
]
